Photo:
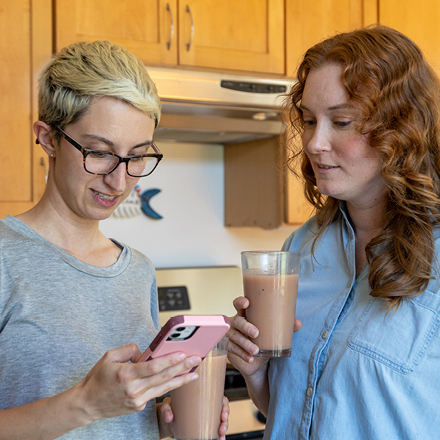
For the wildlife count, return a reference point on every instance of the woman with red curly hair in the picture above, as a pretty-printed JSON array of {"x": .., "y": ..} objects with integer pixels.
[{"x": 366, "y": 363}]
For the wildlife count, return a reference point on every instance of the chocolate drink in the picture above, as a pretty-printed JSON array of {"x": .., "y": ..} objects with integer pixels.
[
  {"x": 197, "y": 406},
  {"x": 272, "y": 304}
]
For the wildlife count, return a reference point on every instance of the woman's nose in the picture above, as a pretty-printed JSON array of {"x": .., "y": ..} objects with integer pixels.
[
  {"x": 117, "y": 179},
  {"x": 317, "y": 140}
]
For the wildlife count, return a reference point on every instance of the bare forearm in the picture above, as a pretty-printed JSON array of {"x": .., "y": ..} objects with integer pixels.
[
  {"x": 258, "y": 388},
  {"x": 46, "y": 419}
]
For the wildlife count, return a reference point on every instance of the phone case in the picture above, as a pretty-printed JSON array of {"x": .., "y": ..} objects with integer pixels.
[{"x": 209, "y": 330}]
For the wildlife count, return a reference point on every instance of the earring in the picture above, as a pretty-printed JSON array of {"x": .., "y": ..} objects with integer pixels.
[{"x": 52, "y": 155}]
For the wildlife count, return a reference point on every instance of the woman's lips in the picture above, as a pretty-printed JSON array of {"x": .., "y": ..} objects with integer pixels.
[
  {"x": 324, "y": 168},
  {"x": 105, "y": 199}
]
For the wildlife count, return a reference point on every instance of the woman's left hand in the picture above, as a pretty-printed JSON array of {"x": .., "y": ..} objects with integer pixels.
[{"x": 165, "y": 415}]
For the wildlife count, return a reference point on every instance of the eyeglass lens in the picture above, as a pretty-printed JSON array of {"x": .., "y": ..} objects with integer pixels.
[{"x": 103, "y": 163}]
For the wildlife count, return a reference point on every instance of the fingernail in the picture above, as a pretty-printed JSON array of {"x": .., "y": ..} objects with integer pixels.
[
  {"x": 253, "y": 349},
  {"x": 253, "y": 333},
  {"x": 195, "y": 360},
  {"x": 195, "y": 376},
  {"x": 181, "y": 356}
]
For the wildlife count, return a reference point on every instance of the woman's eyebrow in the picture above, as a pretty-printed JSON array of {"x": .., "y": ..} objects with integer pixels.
[
  {"x": 333, "y": 107},
  {"x": 108, "y": 142}
]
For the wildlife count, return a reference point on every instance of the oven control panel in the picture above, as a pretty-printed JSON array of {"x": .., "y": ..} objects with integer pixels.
[{"x": 173, "y": 298}]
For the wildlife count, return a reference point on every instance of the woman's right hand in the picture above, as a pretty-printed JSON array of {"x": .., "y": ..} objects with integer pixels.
[
  {"x": 241, "y": 348},
  {"x": 115, "y": 386},
  {"x": 119, "y": 385}
]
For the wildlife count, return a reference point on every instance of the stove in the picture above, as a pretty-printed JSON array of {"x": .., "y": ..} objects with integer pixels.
[{"x": 210, "y": 291}]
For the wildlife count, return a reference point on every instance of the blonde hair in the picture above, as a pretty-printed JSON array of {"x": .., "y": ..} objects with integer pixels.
[
  {"x": 387, "y": 77},
  {"x": 82, "y": 71}
]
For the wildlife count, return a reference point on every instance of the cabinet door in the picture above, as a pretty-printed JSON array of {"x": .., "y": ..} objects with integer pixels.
[
  {"x": 25, "y": 45},
  {"x": 297, "y": 209},
  {"x": 253, "y": 184},
  {"x": 417, "y": 20},
  {"x": 147, "y": 28},
  {"x": 308, "y": 22},
  {"x": 230, "y": 34}
]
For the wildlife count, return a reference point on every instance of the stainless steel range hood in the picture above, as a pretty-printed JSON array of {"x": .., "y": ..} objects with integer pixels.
[{"x": 217, "y": 108}]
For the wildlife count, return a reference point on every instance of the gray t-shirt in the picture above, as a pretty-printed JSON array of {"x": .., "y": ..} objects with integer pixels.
[{"x": 59, "y": 315}]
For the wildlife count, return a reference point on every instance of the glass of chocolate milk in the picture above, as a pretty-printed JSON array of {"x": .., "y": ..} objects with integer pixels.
[
  {"x": 197, "y": 406},
  {"x": 270, "y": 281}
]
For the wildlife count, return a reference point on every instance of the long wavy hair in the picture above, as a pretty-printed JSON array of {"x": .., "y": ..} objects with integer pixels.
[{"x": 389, "y": 80}]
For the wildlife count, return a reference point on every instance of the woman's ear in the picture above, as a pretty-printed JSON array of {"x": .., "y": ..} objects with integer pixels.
[{"x": 43, "y": 132}]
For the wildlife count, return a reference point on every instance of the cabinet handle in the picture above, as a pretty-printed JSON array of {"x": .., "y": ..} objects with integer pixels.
[
  {"x": 188, "y": 45},
  {"x": 171, "y": 26}
]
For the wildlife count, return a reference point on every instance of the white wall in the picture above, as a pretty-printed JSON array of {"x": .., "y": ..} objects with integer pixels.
[{"x": 191, "y": 201}]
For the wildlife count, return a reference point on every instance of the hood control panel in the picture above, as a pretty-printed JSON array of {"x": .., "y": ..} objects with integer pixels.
[{"x": 256, "y": 87}]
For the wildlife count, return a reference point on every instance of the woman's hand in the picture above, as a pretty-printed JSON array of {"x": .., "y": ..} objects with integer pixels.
[
  {"x": 165, "y": 416},
  {"x": 115, "y": 387},
  {"x": 241, "y": 352},
  {"x": 241, "y": 349}
]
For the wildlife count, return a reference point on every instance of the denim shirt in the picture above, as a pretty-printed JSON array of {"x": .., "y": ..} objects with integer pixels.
[{"x": 356, "y": 371}]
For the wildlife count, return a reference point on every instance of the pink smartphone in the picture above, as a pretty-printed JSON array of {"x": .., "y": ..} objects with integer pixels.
[{"x": 194, "y": 335}]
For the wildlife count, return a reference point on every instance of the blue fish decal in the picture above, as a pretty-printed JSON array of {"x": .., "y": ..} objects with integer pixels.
[{"x": 146, "y": 196}]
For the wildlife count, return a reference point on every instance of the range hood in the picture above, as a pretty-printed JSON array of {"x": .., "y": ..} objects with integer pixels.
[{"x": 217, "y": 108}]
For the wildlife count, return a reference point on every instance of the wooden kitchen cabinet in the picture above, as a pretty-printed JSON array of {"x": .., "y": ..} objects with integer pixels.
[
  {"x": 230, "y": 34},
  {"x": 417, "y": 20},
  {"x": 25, "y": 45},
  {"x": 143, "y": 27},
  {"x": 243, "y": 35},
  {"x": 253, "y": 183},
  {"x": 308, "y": 22},
  {"x": 259, "y": 188}
]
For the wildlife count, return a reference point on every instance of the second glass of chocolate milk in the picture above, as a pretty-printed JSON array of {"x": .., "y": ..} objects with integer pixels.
[
  {"x": 197, "y": 405},
  {"x": 270, "y": 281}
]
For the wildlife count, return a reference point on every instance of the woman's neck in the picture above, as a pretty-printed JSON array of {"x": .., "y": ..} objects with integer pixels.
[
  {"x": 76, "y": 236},
  {"x": 367, "y": 222}
]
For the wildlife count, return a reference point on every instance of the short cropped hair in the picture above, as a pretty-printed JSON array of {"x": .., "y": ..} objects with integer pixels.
[{"x": 82, "y": 71}]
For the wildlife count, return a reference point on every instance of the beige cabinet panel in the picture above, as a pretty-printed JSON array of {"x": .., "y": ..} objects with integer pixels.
[
  {"x": 25, "y": 44},
  {"x": 308, "y": 22},
  {"x": 253, "y": 184},
  {"x": 418, "y": 20},
  {"x": 259, "y": 189},
  {"x": 297, "y": 209},
  {"x": 147, "y": 28},
  {"x": 231, "y": 34}
]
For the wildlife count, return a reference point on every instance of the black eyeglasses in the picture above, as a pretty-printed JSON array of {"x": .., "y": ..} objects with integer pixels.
[{"x": 104, "y": 162}]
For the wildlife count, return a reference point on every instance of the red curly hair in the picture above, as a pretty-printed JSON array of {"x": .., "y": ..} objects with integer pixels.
[{"x": 389, "y": 80}]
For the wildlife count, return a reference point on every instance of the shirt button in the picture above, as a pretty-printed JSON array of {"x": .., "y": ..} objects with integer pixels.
[
  {"x": 325, "y": 334},
  {"x": 309, "y": 392}
]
